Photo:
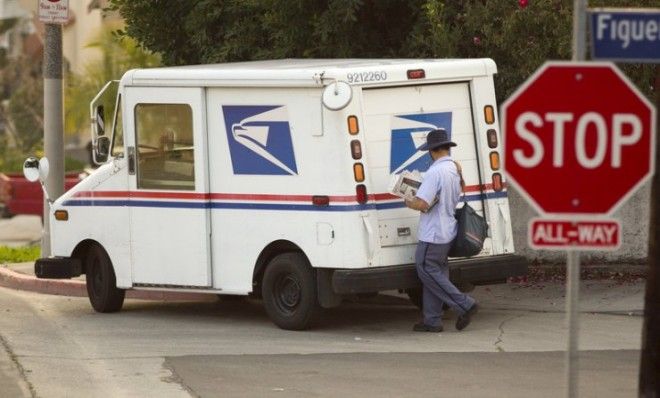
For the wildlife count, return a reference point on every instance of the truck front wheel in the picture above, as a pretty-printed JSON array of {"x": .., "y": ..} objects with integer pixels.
[
  {"x": 289, "y": 291},
  {"x": 101, "y": 281}
]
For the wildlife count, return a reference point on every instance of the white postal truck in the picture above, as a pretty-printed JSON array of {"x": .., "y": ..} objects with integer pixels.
[{"x": 271, "y": 178}]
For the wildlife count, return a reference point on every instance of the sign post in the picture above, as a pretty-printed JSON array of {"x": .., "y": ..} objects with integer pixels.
[
  {"x": 53, "y": 13},
  {"x": 573, "y": 257},
  {"x": 633, "y": 35},
  {"x": 578, "y": 141}
]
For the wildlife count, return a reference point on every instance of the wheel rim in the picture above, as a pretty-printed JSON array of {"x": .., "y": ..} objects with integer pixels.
[{"x": 288, "y": 293}]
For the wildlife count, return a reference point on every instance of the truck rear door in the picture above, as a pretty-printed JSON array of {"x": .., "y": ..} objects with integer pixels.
[{"x": 397, "y": 120}]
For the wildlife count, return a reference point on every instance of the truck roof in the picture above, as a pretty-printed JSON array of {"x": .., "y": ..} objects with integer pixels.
[{"x": 304, "y": 72}]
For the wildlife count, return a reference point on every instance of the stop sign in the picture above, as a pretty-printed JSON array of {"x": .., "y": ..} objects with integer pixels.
[{"x": 578, "y": 138}]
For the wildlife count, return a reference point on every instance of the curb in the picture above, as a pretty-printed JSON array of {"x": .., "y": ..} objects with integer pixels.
[{"x": 75, "y": 288}]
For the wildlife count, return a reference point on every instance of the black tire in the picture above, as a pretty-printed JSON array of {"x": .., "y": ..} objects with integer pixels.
[
  {"x": 415, "y": 296},
  {"x": 101, "y": 281},
  {"x": 289, "y": 291}
]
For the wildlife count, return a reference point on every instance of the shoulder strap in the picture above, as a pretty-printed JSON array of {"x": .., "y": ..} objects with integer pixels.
[{"x": 459, "y": 169}]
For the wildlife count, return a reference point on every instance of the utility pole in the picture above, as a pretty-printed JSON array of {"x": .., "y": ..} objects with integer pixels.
[
  {"x": 53, "y": 124},
  {"x": 649, "y": 370}
]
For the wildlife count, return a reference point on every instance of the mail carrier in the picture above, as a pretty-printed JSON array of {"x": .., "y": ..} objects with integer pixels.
[{"x": 271, "y": 179}]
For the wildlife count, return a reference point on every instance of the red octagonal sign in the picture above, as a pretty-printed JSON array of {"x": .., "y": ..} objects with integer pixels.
[{"x": 578, "y": 138}]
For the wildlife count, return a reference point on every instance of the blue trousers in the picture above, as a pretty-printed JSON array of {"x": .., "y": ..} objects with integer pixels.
[{"x": 433, "y": 270}]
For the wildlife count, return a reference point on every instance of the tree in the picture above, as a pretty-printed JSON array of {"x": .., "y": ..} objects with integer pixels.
[
  {"x": 118, "y": 54},
  {"x": 25, "y": 103},
  {"x": 519, "y": 35}
]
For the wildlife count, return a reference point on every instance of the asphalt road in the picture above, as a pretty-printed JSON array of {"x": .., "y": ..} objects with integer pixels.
[
  {"x": 507, "y": 374},
  {"x": 58, "y": 347}
]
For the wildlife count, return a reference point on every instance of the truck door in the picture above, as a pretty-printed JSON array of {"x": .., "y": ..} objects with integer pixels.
[
  {"x": 394, "y": 131},
  {"x": 168, "y": 185}
]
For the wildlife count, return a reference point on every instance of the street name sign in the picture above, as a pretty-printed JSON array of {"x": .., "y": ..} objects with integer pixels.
[
  {"x": 625, "y": 35},
  {"x": 54, "y": 11},
  {"x": 563, "y": 234}
]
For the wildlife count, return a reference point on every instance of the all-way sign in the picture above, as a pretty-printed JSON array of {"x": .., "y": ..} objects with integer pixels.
[{"x": 558, "y": 234}]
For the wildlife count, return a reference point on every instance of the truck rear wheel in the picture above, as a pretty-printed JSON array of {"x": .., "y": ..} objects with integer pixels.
[
  {"x": 289, "y": 292},
  {"x": 101, "y": 281}
]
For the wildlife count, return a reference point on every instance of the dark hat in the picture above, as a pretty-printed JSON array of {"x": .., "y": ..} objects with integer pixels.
[{"x": 435, "y": 139}]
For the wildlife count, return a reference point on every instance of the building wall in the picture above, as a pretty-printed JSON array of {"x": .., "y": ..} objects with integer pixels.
[
  {"x": 84, "y": 24},
  {"x": 634, "y": 217}
]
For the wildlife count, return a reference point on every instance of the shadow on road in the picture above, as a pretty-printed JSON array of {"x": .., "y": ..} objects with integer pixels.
[{"x": 372, "y": 314}]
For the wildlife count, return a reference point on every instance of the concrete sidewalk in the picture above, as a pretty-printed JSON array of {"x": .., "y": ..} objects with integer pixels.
[{"x": 607, "y": 296}]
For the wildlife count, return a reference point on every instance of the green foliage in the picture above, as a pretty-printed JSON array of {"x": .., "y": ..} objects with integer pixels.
[
  {"x": 209, "y": 31},
  {"x": 11, "y": 161},
  {"x": 519, "y": 38},
  {"x": 119, "y": 54},
  {"x": 19, "y": 254},
  {"x": 24, "y": 87}
]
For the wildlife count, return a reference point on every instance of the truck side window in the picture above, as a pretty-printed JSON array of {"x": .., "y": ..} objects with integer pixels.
[
  {"x": 165, "y": 148},
  {"x": 118, "y": 134}
]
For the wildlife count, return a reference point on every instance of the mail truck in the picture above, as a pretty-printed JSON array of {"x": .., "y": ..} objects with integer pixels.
[{"x": 270, "y": 179}]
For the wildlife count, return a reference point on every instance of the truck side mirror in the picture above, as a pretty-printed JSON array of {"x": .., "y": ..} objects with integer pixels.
[
  {"x": 102, "y": 149},
  {"x": 35, "y": 169},
  {"x": 99, "y": 121},
  {"x": 31, "y": 169}
]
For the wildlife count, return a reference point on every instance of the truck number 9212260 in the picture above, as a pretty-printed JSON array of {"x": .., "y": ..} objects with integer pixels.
[{"x": 362, "y": 77}]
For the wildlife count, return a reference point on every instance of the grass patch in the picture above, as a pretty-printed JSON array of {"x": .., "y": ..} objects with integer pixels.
[{"x": 19, "y": 254}]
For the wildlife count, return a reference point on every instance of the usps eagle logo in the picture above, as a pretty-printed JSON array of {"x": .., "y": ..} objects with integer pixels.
[
  {"x": 260, "y": 139},
  {"x": 408, "y": 134}
]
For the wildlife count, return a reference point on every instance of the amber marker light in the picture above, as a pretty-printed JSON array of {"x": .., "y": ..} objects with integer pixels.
[
  {"x": 358, "y": 172},
  {"x": 494, "y": 160},
  {"x": 353, "y": 127},
  {"x": 61, "y": 215},
  {"x": 489, "y": 114}
]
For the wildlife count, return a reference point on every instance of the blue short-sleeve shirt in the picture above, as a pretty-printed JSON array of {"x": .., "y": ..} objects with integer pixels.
[{"x": 441, "y": 180}]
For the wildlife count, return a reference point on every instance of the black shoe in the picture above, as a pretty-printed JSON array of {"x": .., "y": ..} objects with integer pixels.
[
  {"x": 464, "y": 320},
  {"x": 421, "y": 327}
]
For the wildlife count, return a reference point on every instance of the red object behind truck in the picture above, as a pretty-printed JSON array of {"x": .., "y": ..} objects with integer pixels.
[{"x": 19, "y": 196}]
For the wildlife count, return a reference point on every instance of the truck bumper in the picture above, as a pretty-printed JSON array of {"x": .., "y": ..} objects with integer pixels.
[
  {"x": 57, "y": 268},
  {"x": 475, "y": 271}
]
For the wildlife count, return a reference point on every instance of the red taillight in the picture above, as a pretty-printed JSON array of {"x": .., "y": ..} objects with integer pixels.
[
  {"x": 497, "y": 182},
  {"x": 361, "y": 194},
  {"x": 416, "y": 74},
  {"x": 320, "y": 200},
  {"x": 492, "y": 138},
  {"x": 356, "y": 149}
]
